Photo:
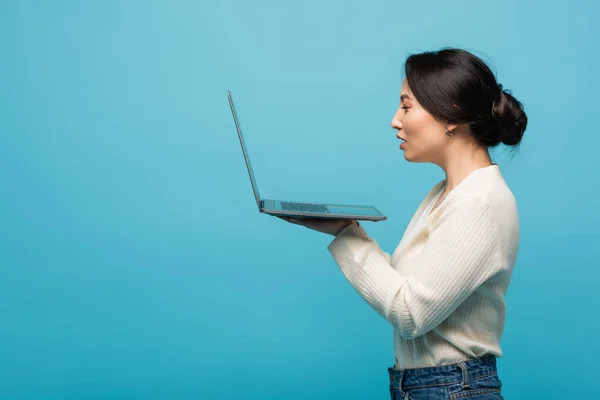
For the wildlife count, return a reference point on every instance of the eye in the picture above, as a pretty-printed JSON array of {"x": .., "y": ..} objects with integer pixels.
[{"x": 404, "y": 108}]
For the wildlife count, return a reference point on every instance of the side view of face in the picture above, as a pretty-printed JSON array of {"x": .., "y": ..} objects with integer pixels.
[{"x": 424, "y": 135}]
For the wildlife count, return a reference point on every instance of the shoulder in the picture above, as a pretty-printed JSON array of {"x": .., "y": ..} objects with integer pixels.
[
  {"x": 496, "y": 196},
  {"x": 494, "y": 207},
  {"x": 488, "y": 189},
  {"x": 498, "y": 202},
  {"x": 456, "y": 210},
  {"x": 491, "y": 213}
]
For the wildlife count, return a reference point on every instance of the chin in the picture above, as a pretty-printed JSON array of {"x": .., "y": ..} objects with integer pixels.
[{"x": 410, "y": 158}]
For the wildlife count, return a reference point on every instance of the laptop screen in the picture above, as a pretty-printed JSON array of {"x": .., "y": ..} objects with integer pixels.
[{"x": 246, "y": 157}]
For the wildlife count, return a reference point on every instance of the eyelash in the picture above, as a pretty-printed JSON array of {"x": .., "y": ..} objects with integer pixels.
[{"x": 405, "y": 108}]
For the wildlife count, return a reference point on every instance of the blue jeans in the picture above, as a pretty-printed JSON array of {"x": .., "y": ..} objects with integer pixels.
[{"x": 475, "y": 379}]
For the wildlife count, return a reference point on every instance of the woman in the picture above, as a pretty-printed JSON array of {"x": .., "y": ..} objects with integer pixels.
[{"x": 443, "y": 287}]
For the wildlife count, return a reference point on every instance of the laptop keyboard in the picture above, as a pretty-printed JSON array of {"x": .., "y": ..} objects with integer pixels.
[{"x": 289, "y": 206}]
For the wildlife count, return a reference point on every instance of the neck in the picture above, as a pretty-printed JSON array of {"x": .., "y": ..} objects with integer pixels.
[{"x": 462, "y": 162}]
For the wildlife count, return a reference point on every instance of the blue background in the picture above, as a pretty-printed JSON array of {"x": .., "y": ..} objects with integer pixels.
[{"x": 134, "y": 263}]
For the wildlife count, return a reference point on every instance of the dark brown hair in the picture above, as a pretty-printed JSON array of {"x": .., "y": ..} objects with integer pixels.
[{"x": 456, "y": 86}]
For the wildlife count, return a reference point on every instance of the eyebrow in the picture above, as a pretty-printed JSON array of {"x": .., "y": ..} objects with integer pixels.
[{"x": 405, "y": 96}]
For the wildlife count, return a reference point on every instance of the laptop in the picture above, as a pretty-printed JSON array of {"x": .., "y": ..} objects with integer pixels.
[{"x": 297, "y": 208}]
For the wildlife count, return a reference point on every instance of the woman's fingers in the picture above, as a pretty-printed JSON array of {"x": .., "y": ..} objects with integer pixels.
[
  {"x": 332, "y": 227},
  {"x": 288, "y": 219}
]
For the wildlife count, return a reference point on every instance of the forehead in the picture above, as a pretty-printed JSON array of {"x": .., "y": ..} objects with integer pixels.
[{"x": 405, "y": 89}]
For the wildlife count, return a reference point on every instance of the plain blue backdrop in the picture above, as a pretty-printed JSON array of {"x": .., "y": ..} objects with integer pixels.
[{"x": 134, "y": 263}]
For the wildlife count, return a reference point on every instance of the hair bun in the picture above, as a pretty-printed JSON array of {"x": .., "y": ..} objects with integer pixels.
[{"x": 509, "y": 118}]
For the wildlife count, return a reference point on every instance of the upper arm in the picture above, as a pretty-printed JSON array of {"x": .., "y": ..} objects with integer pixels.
[{"x": 462, "y": 252}]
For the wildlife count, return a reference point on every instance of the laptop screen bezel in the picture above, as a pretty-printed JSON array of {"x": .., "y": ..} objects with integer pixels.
[{"x": 244, "y": 150}]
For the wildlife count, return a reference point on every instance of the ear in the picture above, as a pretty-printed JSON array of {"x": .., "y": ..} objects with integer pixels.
[{"x": 451, "y": 127}]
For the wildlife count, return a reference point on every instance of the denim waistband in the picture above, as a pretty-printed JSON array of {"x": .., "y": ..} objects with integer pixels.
[{"x": 460, "y": 372}]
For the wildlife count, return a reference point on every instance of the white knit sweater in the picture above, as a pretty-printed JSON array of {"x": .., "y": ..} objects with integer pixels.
[{"x": 443, "y": 288}]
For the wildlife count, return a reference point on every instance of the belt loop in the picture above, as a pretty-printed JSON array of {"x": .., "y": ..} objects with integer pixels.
[
  {"x": 402, "y": 376},
  {"x": 400, "y": 373},
  {"x": 465, "y": 375},
  {"x": 401, "y": 384},
  {"x": 401, "y": 380}
]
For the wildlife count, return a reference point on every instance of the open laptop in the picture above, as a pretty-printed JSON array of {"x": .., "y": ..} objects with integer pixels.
[{"x": 302, "y": 209}]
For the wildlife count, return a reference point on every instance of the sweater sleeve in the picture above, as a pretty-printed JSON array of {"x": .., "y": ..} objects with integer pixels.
[{"x": 461, "y": 253}]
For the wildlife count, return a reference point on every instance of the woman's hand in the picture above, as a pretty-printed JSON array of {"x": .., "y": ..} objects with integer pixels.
[{"x": 329, "y": 226}]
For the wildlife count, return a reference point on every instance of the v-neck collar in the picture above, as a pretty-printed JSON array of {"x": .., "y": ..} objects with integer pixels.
[{"x": 430, "y": 209}]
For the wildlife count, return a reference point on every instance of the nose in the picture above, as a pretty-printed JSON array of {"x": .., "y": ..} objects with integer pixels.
[{"x": 396, "y": 123}]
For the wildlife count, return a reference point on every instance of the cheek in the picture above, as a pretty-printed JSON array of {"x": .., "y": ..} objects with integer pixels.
[
  {"x": 415, "y": 124},
  {"x": 422, "y": 133}
]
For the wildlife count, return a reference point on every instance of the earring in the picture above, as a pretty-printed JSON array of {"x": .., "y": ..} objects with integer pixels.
[{"x": 449, "y": 133}]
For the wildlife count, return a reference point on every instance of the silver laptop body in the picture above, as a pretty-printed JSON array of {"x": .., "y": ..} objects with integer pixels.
[{"x": 302, "y": 209}]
